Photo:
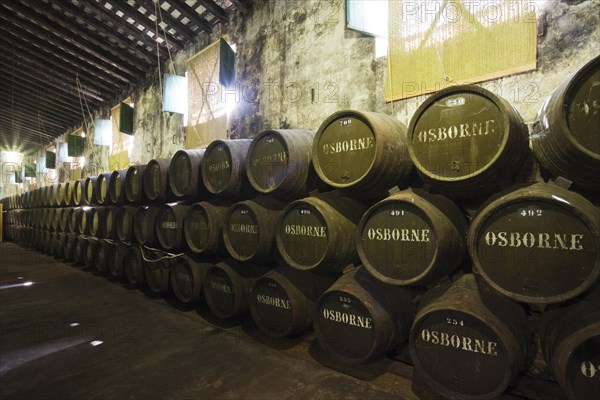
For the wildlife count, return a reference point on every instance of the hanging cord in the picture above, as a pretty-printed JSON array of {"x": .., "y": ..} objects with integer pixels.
[
  {"x": 82, "y": 100},
  {"x": 157, "y": 47},
  {"x": 156, "y": 6}
]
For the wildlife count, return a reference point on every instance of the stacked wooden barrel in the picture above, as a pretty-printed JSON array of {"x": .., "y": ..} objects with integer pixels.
[{"x": 333, "y": 231}]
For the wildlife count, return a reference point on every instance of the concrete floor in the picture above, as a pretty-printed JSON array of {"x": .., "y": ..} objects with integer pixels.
[{"x": 68, "y": 333}]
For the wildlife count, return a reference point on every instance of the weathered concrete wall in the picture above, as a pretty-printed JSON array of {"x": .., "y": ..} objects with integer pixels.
[{"x": 296, "y": 64}]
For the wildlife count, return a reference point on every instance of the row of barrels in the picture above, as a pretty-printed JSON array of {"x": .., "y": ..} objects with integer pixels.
[
  {"x": 536, "y": 244},
  {"x": 464, "y": 141},
  {"x": 464, "y": 339}
]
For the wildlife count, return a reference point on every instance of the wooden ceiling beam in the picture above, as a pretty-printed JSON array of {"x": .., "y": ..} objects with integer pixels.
[
  {"x": 170, "y": 21},
  {"x": 191, "y": 14},
  {"x": 28, "y": 117},
  {"x": 64, "y": 42},
  {"x": 16, "y": 89},
  {"x": 126, "y": 54},
  {"x": 214, "y": 8}
]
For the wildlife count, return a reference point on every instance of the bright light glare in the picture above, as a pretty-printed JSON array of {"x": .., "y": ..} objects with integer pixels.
[
  {"x": 12, "y": 156},
  {"x": 96, "y": 342},
  {"x": 27, "y": 283},
  {"x": 15, "y": 285},
  {"x": 74, "y": 324}
]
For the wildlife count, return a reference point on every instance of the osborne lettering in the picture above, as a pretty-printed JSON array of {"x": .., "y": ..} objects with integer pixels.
[
  {"x": 169, "y": 225},
  {"x": 350, "y": 319},
  {"x": 557, "y": 241},
  {"x": 398, "y": 235},
  {"x": 244, "y": 228},
  {"x": 274, "y": 301},
  {"x": 220, "y": 286},
  {"x": 277, "y": 157},
  {"x": 301, "y": 230},
  {"x": 218, "y": 166},
  {"x": 457, "y": 131},
  {"x": 460, "y": 342},
  {"x": 345, "y": 146}
]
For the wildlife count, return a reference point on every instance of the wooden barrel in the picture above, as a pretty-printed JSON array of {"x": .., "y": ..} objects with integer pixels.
[
  {"x": 156, "y": 181},
  {"x": 78, "y": 192},
  {"x": 169, "y": 226},
  {"x": 466, "y": 142},
  {"x": 116, "y": 187},
  {"x": 537, "y": 244},
  {"x": 134, "y": 184},
  {"x": 65, "y": 219},
  {"x": 157, "y": 268},
  {"x": 565, "y": 136},
  {"x": 117, "y": 259},
  {"x": 185, "y": 177},
  {"x": 358, "y": 319},
  {"x": 109, "y": 224},
  {"x": 80, "y": 250},
  {"x": 570, "y": 343},
  {"x": 187, "y": 275},
  {"x": 86, "y": 221},
  {"x": 102, "y": 184},
  {"x": 227, "y": 286},
  {"x": 59, "y": 195},
  {"x": 57, "y": 219},
  {"x": 75, "y": 220},
  {"x": 105, "y": 250},
  {"x": 61, "y": 244},
  {"x": 283, "y": 300},
  {"x": 144, "y": 222},
  {"x": 124, "y": 222},
  {"x": 249, "y": 230},
  {"x": 203, "y": 227},
  {"x": 363, "y": 153},
  {"x": 224, "y": 168},
  {"x": 99, "y": 215},
  {"x": 468, "y": 342},
  {"x": 319, "y": 233},
  {"x": 133, "y": 266},
  {"x": 68, "y": 193},
  {"x": 278, "y": 163},
  {"x": 91, "y": 252},
  {"x": 70, "y": 246},
  {"x": 89, "y": 190},
  {"x": 412, "y": 238}
]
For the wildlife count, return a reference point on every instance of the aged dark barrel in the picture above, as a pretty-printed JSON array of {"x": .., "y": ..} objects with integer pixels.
[
  {"x": 124, "y": 222},
  {"x": 227, "y": 286},
  {"x": 283, "y": 300},
  {"x": 249, "y": 230},
  {"x": 116, "y": 259},
  {"x": 187, "y": 275},
  {"x": 133, "y": 266},
  {"x": 157, "y": 268},
  {"x": 144, "y": 225},
  {"x": 169, "y": 226},
  {"x": 412, "y": 238},
  {"x": 70, "y": 245},
  {"x": 359, "y": 319},
  {"x": 134, "y": 184},
  {"x": 105, "y": 255},
  {"x": 75, "y": 220},
  {"x": 89, "y": 190},
  {"x": 91, "y": 252},
  {"x": 537, "y": 244},
  {"x": 570, "y": 343},
  {"x": 364, "y": 153},
  {"x": 319, "y": 233},
  {"x": 102, "y": 184},
  {"x": 203, "y": 227},
  {"x": 80, "y": 250},
  {"x": 68, "y": 194},
  {"x": 565, "y": 138},
  {"x": 185, "y": 176},
  {"x": 224, "y": 168},
  {"x": 109, "y": 224},
  {"x": 57, "y": 219},
  {"x": 86, "y": 221},
  {"x": 468, "y": 342},
  {"x": 116, "y": 187},
  {"x": 156, "y": 181},
  {"x": 65, "y": 219},
  {"x": 97, "y": 217},
  {"x": 279, "y": 163},
  {"x": 78, "y": 192},
  {"x": 59, "y": 195},
  {"x": 467, "y": 142}
]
